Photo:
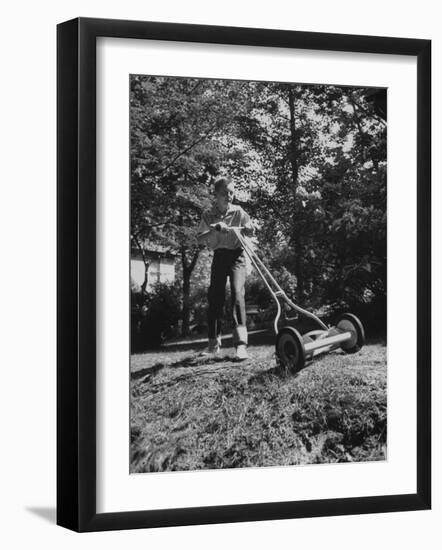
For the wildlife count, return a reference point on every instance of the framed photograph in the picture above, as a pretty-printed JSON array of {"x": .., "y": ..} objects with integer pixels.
[{"x": 243, "y": 274}]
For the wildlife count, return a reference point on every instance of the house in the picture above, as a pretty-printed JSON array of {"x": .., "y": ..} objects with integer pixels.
[{"x": 161, "y": 266}]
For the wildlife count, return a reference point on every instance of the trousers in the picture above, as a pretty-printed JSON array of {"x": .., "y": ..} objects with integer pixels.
[{"x": 230, "y": 264}]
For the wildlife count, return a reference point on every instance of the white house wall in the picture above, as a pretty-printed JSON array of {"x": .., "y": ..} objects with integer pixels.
[{"x": 165, "y": 267}]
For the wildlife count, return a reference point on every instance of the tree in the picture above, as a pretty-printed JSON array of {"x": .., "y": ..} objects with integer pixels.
[
  {"x": 178, "y": 131},
  {"x": 309, "y": 162},
  {"x": 324, "y": 212}
]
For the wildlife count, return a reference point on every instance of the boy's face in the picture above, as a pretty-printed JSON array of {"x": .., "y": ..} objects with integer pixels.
[{"x": 224, "y": 196}]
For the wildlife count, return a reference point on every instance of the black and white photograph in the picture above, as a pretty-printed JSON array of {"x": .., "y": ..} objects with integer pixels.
[
  {"x": 257, "y": 273},
  {"x": 220, "y": 293}
]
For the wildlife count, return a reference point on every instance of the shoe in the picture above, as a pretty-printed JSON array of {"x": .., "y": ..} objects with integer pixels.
[
  {"x": 241, "y": 352},
  {"x": 212, "y": 349},
  {"x": 210, "y": 352}
]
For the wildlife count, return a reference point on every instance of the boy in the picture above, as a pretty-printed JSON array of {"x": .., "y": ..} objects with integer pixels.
[{"x": 229, "y": 260}]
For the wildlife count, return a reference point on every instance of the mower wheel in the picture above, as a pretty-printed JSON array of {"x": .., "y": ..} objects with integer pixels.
[
  {"x": 350, "y": 323},
  {"x": 290, "y": 349}
]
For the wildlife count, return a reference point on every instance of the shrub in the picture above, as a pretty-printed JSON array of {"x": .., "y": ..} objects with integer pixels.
[
  {"x": 198, "y": 300},
  {"x": 155, "y": 315}
]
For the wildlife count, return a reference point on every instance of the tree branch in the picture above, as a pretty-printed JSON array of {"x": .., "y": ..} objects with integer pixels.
[
  {"x": 364, "y": 110},
  {"x": 186, "y": 150},
  {"x": 194, "y": 260}
]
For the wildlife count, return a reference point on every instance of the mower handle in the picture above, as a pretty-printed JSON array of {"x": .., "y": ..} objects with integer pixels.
[{"x": 214, "y": 226}]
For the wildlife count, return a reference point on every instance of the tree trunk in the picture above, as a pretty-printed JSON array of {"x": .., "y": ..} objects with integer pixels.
[
  {"x": 145, "y": 262},
  {"x": 365, "y": 140},
  {"x": 188, "y": 268},
  {"x": 296, "y": 235},
  {"x": 185, "y": 329},
  {"x": 144, "y": 284}
]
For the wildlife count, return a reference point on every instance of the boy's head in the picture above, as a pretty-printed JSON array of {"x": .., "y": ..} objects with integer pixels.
[{"x": 224, "y": 192}]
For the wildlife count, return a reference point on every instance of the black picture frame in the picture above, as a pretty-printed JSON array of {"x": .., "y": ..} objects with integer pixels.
[{"x": 76, "y": 273}]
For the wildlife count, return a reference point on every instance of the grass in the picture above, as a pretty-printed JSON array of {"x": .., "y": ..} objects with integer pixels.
[{"x": 189, "y": 413}]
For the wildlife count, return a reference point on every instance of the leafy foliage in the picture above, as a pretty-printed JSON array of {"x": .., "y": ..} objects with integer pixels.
[
  {"x": 155, "y": 316},
  {"x": 309, "y": 162}
]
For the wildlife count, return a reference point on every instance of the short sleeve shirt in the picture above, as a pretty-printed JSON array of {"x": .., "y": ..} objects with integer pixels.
[{"x": 235, "y": 216}]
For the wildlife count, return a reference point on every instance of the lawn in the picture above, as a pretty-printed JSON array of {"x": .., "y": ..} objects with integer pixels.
[{"x": 190, "y": 413}]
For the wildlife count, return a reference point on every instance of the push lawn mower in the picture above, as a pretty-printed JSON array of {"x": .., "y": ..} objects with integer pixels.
[{"x": 293, "y": 348}]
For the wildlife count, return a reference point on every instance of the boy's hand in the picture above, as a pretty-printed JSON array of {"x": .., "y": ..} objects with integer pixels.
[
  {"x": 248, "y": 229},
  {"x": 221, "y": 226}
]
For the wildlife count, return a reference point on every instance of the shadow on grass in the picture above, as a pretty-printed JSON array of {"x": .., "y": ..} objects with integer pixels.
[
  {"x": 276, "y": 372},
  {"x": 264, "y": 376},
  {"x": 260, "y": 339},
  {"x": 255, "y": 339},
  {"x": 193, "y": 360},
  {"x": 148, "y": 373}
]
